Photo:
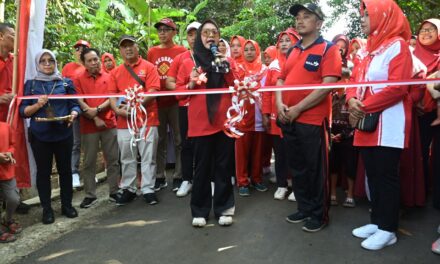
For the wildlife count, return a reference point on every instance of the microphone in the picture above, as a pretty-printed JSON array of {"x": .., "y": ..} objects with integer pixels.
[{"x": 214, "y": 50}]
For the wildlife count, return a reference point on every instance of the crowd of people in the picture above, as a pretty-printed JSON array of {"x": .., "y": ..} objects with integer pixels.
[{"x": 369, "y": 139}]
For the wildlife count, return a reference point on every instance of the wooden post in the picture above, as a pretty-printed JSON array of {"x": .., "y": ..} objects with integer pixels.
[{"x": 15, "y": 64}]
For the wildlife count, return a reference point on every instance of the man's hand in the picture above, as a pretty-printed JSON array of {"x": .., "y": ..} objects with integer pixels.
[
  {"x": 293, "y": 113},
  {"x": 4, "y": 158},
  {"x": 122, "y": 111},
  {"x": 99, "y": 123},
  {"x": 282, "y": 109},
  {"x": 6, "y": 98},
  {"x": 73, "y": 116},
  {"x": 336, "y": 138},
  {"x": 91, "y": 113}
]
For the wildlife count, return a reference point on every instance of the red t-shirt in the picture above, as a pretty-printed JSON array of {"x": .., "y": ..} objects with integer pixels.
[
  {"x": 162, "y": 58},
  {"x": 72, "y": 69},
  {"x": 174, "y": 69},
  {"x": 7, "y": 171},
  {"x": 87, "y": 84},
  {"x": 198, "y": 120},
  {"x": 6, "y": 68},
  {"x": 310, "y": 66},
  {"x": 121, "y": 79}
]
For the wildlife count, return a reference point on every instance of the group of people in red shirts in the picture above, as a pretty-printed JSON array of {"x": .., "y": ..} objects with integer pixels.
[{"x": 375, "y": 132}]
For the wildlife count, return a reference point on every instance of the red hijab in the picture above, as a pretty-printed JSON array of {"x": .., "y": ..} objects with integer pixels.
[
  {"x": 429, "y": 55},
  {"x": 271, "y": 51},
  {"x": 107, "y": 55},
  {"x": 361, "y": 42},
  {"x": 387, "y": 22},
  {"x": 253, "y": 67},
  {"x": 294, "y": 38},
  {"x": 242, "y": 40}
]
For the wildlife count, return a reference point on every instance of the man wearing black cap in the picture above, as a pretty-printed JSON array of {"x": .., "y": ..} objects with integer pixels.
[
  {"x": 303, "y": 115},
  {"x": 139, "y": 72},
  {"x": 162, "y": 56}
]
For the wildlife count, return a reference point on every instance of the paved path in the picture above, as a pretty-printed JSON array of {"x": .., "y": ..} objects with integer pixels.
[{"x": 139, "y": 233}]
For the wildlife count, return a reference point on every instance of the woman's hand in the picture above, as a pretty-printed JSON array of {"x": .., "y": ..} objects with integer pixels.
[
  {"x": 355, "y": 108},
  {"x": 42, "y": 100},
  {"x": 73, "y": 116}
]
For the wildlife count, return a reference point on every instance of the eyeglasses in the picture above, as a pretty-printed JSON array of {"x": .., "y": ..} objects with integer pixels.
[
  {"x": 208, "y": 32},
  {"x": 164, "y": 30},
  {"x": 427, "y": 30},
  {"x": 49, "y": 61}
]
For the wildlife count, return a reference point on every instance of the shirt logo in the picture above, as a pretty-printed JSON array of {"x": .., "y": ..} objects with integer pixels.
[
  {"x": 163, "y": 65},
  {"x": 312, "y": 62},
  {"x": 142, "y": 73}
]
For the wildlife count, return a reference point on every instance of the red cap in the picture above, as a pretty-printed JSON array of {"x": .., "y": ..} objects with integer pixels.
[
  {"x": 167, "y": 22},
  {"x": 81, "y": 43}
]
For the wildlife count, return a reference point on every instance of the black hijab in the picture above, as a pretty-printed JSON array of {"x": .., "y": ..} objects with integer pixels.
[{"x": 203, "y": 58}]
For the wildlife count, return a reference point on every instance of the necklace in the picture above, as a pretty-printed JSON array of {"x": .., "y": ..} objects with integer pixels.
[{"x": 50, "y": 112}]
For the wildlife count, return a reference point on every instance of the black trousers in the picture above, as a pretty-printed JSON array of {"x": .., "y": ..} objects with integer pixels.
[
  {"x": 307, "y": 157},
  {"x": 44, "y": 153},
  {"x": 430, "y": 138},
  {"x": 212, "y": 156},
  {"x": 281, "y": 167},
  {"x": 382, "y": 167},
  {"x": 187, "y": 153}
]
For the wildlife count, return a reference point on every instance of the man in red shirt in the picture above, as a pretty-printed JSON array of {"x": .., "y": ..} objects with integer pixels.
[
  {"x": 71, "y": 70},
  {"x": 135, "y": 71},
  {"x": 162, "y": 56},
  {"x": 97, "y": 126},
  {"x": 187, "y": 153},
  {"x": 303, "y": 115},
  {"x": 7, "y": 35}
]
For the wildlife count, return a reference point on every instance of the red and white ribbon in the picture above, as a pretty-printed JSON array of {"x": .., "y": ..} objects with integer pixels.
[
  {"x": 137, "y": 115},
  {"x": 242, "y": 91}
]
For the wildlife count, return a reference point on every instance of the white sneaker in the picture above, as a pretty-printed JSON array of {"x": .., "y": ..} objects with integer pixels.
[
  {"x": 436, "y": 246},
  {"x": 379, "y": 240},
  {"x": 280, "y": 193},
  {"x": 184, "y": 189},
  {"x": 292, "y": 197},
  {"x": 75, "y": 180},
  {"x": 365, "y": 231},
  {"x": 225, "y": 220},
  {"x": 199, "y": 222}
]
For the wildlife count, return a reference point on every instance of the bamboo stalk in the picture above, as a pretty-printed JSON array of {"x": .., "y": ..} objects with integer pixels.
[{"x": 15, "y": 63}]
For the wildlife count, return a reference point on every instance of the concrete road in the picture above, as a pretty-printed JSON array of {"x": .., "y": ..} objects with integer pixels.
[{"x": 139, "y": 233}]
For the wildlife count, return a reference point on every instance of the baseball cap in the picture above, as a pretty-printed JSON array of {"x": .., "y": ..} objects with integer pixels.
[
  {"x": 193, "y": 25},
  {"x": 127, "y": 37},
  {"x": 81, "y": 43},
  {"x": 167, "y": 22},
  {"x": 308, "y": 6}
]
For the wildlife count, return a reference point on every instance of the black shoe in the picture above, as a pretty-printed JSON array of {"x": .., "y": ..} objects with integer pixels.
[
  {"x": 22, "y": 208},
  {"x": 114, "y": 197},
  {"x": 297, "y": 217},
  {"x": 160, "y": 184},
  {"x": 150, "y": 198},
  {"x": 69, "y": 212},
  {"x": 48, "y": 216},
  {"x": 126, "y": 197},
  {"x": 176, "y": 184},
  {"x": 313, "y": 225},
  {"x": 87, "y": 202}
]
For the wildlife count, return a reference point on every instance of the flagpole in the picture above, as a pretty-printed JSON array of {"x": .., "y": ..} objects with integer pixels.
[{"x": 15, "y": 63}]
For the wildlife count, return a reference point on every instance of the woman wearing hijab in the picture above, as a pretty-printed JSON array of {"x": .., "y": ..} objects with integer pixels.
[
  {"x": 269, "y": 54},
  {"x": 108, "y": 61},
  {"x": 343, "y": 43},
  {"x": 224, "y": 48},
  {"x": 357, "y": 50},
  {"x": 206, "y": 117},
  {"x": 389, "y": 58},
  {"x": 427, "y": 50},
  {"x": 286, "y": 40},
  {"x": 237, "y": 45},
  {"x": 54, "y": 138},
  {"x": 248, "y": 148}
]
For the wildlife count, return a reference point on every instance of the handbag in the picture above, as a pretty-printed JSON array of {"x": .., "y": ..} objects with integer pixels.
[{"x": 369, "y": 122}]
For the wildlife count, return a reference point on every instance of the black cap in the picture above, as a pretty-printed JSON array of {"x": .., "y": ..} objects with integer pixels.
[
  {"x": 308, "y": 6},
  {"x": 127, "y": 37}
]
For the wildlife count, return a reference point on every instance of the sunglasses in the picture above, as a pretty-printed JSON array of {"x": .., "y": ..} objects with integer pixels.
[{"x": 208, "y": 32}]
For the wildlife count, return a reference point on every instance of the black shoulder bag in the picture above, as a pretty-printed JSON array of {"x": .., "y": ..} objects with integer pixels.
[
  {"x": 134, "y": 75},
  {"x": 369, "y": 122}
]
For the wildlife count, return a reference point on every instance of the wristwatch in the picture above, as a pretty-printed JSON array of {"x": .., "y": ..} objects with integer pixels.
[{"x": 84, "y": 110}]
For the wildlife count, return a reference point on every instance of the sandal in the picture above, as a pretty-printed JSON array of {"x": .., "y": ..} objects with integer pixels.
[
  {"x": 333, "y": 200},
  {"x": 6, "y": 237},
  {"x": 349, "y": 202},
  {"x": 13, "y": 227}
]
